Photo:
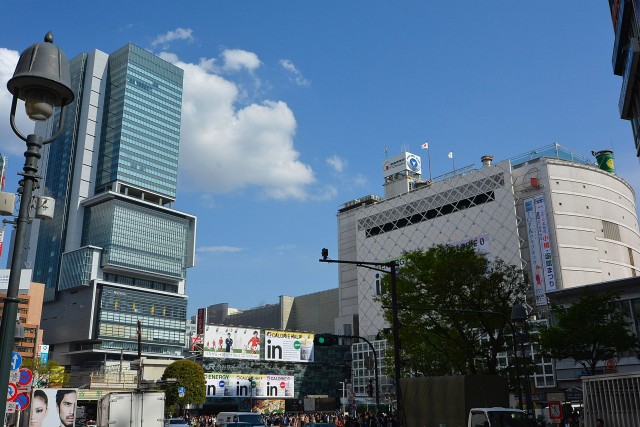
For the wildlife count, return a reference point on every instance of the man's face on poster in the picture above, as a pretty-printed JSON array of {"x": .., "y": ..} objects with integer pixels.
[{"x": 67, "y": 409}]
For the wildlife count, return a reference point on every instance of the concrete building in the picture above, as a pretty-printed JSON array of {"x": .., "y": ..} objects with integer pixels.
[
  {"x": 29, "y": 312},
  {"x": 311, "y": 312},
  {"x": 553, "y": 213},
  {"x": 626, "y": 52},
  {"x": 115, "y": 252}
]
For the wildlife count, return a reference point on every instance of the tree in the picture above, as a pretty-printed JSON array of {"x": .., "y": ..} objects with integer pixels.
[
  {"x": 49, "y": 374},
  {"x": 591, "y": 330},
  {"x": 189, "y": 375},
  {"x": 455, "y": 309}
]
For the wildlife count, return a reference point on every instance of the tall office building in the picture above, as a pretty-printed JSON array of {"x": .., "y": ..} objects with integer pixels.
[
  {"x": 116, "y": 252},
  {"x": 626, "y": 52}
]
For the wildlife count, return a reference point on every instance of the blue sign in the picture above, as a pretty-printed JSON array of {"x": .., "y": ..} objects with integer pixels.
[
  {"x": 16, "y": 361},
  {"x": 181, "y": 391}
]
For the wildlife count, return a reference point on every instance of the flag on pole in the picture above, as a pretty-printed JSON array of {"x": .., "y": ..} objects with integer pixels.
[
  {"x": 425, "y": 145},
  {"x": 450, "y": 155}
]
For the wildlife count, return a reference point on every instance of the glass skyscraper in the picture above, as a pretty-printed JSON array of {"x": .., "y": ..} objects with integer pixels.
[{"x": 116, "y": 252}]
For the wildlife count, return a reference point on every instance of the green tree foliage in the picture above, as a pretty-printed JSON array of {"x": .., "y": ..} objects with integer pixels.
[
  {"x": 591, "y": 330},
  {"x": 50, "y": 374},
  {"x": 189, "y": 375},
  {"x": 455, "y": 306}
]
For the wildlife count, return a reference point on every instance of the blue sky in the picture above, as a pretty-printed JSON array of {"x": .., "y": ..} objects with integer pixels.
[{"x": 289, "y": 106}]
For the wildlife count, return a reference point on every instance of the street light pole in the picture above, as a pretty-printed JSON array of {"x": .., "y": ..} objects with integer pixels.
[
  {"x": 43, "y": 80},
  {"x": 519, "y": 314},
  {"x": 390, "y": 268}
]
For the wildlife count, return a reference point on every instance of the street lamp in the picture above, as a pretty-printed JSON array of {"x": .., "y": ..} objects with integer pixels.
[
  {"x": 519, "y": 316},
  {"x": 42, "y": 79}
]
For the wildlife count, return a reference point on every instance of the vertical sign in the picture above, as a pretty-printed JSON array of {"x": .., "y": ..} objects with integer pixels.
[
  {"x": 44, "y": 353},
  {"x": 545, "y": 243},
  {"x": 537, "y": 270},
  {"x": 200, "y": 322}
]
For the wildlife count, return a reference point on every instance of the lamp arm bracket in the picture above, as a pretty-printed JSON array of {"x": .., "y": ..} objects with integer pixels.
[{"x": 15, "y": 129}]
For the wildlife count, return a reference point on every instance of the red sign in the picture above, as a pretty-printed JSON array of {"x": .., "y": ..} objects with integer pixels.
[
  {"x": 555, "y": 410},
  {"x": 12, "y": 392},
  {"x": 22, "y": 401},
  {"x": 200, "y": 322},
  {"x": 25, "y": 378}
]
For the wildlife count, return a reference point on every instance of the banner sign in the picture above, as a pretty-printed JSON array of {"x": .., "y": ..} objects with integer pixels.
[
  {"x": 537, "y": 270},
  {"x": 226, "y": 342},
  {"x": 200, "y": 322},
  {"x": 248, "y": 385},
  {"x": 545, "y": 243},
  {"x": 283, "y": 346}
]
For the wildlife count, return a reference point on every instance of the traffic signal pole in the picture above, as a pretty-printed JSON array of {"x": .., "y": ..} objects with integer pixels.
[{"x": 391, "y": 268}]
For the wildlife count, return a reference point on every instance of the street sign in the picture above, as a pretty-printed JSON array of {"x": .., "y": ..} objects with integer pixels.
[
  {"x": 555, "y": 410},
  {"x": 25, "y": 378},
  {"x": 14, "y": 376},
  {"x": 22, "y": 401},
  {"x": 16, "y": 361},
  {"x": 12, "y": 392},
  {"x": 11, "y": 407},
  {"x": 181, "y": 391}
]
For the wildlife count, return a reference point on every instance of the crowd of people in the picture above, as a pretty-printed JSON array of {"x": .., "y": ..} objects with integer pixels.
[{"x": 300, "y": 419}]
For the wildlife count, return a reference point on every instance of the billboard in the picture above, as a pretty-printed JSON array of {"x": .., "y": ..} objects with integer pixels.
[
  {"x": 283, "y": 346},
  {"x": 240, "y": 385},
  {"x": 53, "y": 407},
  {"x": 226, "y": 342},
  {"x": 402, "y": 162}
]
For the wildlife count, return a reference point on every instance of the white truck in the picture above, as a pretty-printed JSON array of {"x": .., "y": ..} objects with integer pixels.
[
  {"x": 615, "y": 398},
  {"x": 131, "y": 409},
  {"x": 496, "y": 417}
]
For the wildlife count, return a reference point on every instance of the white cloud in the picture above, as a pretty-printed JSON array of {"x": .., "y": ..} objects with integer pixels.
[
  {"x": 237, "y": 59},
  {"x": 337, "y": 163},
  {"x": 295, "y": 75},
  {"x": 217, "y": 249},
  {"x": 9, "y": 142},
  {"x": 177, "y": 34},
  {"x": 225, "y": 148}
]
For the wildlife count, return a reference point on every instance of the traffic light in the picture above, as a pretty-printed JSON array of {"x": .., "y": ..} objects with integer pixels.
[
  {"x": 325, "y": 340},
  {"x": 370, "y": 388}
]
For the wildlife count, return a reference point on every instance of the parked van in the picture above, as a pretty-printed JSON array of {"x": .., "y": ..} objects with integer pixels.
[{"x": 249, "y": 419}]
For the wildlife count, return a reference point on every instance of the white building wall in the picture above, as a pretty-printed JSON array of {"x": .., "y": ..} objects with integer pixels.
[
  {"x": 592, "y": 220},
  {"x": 88, "y": 141},
  {"x": 494, "y": 222}
]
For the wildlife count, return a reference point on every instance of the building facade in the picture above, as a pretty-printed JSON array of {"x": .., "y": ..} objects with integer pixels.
[
  {"x": 555, "y": 214},
  {"x": 29, "y": 313},
  {"x": 626, "y": 53},
  {"x": 116, "y": 251}
]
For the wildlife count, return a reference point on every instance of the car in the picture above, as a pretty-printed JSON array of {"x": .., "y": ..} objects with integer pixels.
[{"x": 175, "y": 422}]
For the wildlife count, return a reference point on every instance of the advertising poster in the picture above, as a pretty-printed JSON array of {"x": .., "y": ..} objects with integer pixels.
[
  {"x": 545, "y": 243},
  {"x": 249, "y": 385},
  {"x": 283, "y": 346},
  {"x": 269, "y": 406},
  {"x": 537, "y": 270},
  {"x": 53, "y": 407},
  {"x": 226, "y": 342}
]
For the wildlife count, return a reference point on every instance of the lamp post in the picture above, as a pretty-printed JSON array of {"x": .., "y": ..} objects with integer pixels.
[
  {"x": 519, "y": 315},
  {"x": 390, "y": 268},
  {"x": 42, "y": 79}
]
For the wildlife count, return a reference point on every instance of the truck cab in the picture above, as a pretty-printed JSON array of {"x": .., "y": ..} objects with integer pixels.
[{"x": 496, "y": 417}]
